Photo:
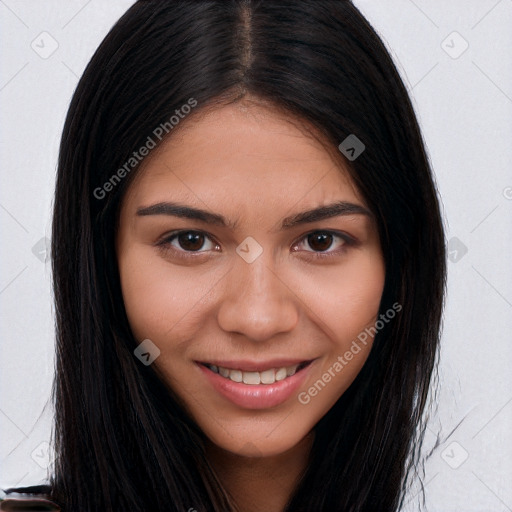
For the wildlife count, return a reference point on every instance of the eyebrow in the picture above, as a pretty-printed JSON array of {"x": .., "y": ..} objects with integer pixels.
[{"x": 313, "y": 215}]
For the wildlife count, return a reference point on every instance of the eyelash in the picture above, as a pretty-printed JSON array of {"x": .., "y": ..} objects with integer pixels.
[{"x": 165, "y": 244}]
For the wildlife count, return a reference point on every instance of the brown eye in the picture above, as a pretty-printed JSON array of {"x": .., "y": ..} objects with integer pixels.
[
  {"x": 320, "y": 241},
  {"x": 180, "y": 243},
  {"x": 324, "y": 244},
  {"x": 191, "y": 240}
]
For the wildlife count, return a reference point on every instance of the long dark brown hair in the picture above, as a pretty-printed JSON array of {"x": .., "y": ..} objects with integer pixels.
[{"x": 122, "y": 441}]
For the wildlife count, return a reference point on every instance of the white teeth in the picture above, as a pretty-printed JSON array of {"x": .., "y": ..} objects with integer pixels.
[
  {"x": 255, "y": 378},
  {"x": 251, "y": 377},
  {"x": 291, "y": 370},
  {"x": 236, "y": 375},
  {"x": 281, "y": 374},
  {"x": 268, "y": 377}
]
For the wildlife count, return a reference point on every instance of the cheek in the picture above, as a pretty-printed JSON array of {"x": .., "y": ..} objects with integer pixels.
[
  {"x": 161, "y": 299},
  {"x": 355, "y": 299},
  {"x": 346, "y": 298},
  {"x": 346, "y": 303}
]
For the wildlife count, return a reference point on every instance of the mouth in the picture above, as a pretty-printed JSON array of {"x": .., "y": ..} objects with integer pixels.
[
  {"x": 251, "y": 385},
  {"x": 256, "y": 377}
]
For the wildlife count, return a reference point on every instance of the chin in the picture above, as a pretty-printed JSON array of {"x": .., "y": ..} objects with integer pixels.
[{"x": 276, "y": 443}]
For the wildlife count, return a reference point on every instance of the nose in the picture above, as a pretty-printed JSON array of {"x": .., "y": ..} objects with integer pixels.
[{"x": 256, "y": 302}]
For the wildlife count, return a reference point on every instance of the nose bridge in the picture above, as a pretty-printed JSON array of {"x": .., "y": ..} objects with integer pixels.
[{"x": 256, "y": 303}]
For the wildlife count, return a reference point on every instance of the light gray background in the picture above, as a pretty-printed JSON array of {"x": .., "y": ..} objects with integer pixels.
[{"x": 463, "y": 98}]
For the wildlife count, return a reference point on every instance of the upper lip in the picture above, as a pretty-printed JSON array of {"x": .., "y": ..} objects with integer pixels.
[{"x": 255, "y": 366}]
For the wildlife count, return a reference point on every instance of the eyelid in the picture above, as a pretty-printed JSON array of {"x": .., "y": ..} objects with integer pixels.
[
  {"x": 164, "y": 243},
  {"x": 347, "y": 239}
]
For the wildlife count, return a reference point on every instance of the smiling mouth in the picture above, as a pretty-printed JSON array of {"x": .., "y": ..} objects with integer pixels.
[{"x": 254, "y": 378}]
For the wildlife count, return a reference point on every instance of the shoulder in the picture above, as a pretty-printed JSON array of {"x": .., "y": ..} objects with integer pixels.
[{"x": 28, "y": 499}]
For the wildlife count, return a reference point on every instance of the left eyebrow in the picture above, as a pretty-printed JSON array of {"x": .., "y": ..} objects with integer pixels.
[
  {"x": 325, "y": 212},
  {"x": 314, "y": 215}
]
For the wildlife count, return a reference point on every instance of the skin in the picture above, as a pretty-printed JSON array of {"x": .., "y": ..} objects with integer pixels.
[{"x": 254, "y": 166}]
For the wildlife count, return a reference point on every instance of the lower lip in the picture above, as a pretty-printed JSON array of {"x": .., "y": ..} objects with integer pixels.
[{"x": 256, "y": 396}]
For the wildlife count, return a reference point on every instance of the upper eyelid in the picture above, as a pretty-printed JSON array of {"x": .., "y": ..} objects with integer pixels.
[
  {"x": 340, "y": 234},
  {"x": 166, "y": 238},
  {"x": 172, "y": 234}
]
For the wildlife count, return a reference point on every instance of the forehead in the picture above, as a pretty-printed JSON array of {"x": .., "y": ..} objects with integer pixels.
[{"x": 244, "y": 151}]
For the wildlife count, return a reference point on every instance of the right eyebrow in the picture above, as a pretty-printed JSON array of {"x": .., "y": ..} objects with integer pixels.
[{"x": 183, "y": 211}]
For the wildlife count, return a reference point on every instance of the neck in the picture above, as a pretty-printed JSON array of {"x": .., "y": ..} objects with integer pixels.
[{"x": 259, "y": 484}]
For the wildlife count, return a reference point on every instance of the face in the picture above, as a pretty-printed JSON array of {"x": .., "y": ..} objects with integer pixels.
[{"x": 248, "y": 258}]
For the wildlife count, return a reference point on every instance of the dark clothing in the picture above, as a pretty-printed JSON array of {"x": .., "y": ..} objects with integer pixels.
[{"x": 28, "y": 499}]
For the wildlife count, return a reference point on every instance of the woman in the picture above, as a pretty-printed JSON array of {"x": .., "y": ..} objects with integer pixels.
[{"x": 248, "y": 263}]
